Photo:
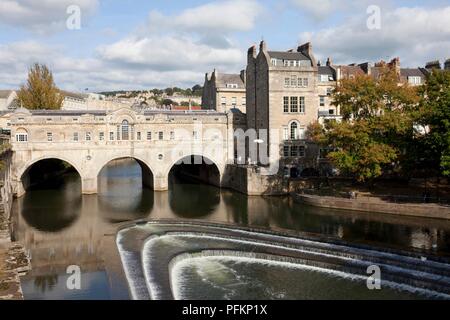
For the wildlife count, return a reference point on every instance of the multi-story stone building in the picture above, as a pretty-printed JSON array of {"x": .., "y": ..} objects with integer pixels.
[
  {"x": 222, "y": 92},
  {"x": 283, "y": 97},
  {"x": 326, "y": 83}
]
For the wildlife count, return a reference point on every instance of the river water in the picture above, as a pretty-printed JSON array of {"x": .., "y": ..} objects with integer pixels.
[{"x": 60, "y": 227}]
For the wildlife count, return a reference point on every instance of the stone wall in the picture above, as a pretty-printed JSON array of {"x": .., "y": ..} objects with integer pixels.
[{"x": 366, "y": 205}]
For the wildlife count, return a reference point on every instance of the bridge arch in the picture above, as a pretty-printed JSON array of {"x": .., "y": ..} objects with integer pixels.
[
  {"x": 212, "y": 175},
  {"x": 24, "y": 181},
  {"x": 148, "y": 175}
]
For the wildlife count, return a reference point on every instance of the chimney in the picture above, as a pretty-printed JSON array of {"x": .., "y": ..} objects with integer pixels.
[
  {"x": 365, "y": 67},
  {"x": 329, "y": 63},
  {"x": 263, "y": 46},
  {"x": 447, "y": 64},
  {"x": 306, "y": 49},
  {"x": 251, "y": 53},
  {"x": 395, "y": 64},
  {"x": 433, "y": 65},
  {"x": 243, "y": 73},
  {"x": 319, "y": 63}
]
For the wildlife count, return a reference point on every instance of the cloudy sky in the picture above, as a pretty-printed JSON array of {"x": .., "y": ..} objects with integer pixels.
[{"x": 141, "y": 44}]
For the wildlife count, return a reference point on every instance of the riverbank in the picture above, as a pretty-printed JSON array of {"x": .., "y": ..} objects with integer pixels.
[
  {"x": 378, "y": 205},
  {"x": 13, "y": 260}
]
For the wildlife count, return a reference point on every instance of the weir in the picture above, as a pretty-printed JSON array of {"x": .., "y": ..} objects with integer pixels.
[{"x": 154, "y": 253}]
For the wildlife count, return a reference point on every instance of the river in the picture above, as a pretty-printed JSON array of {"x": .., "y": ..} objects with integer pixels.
[{"x": 60, "y": 227}]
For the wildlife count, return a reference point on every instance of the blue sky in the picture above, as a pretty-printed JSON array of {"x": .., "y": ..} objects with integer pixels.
[{"x": 141, "y": 44}]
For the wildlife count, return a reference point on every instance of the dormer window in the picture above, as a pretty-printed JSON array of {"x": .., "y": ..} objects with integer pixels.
[
  {"x": 415, "y": 80},
  {"x": 232, "y": 86},
  {"x": 323, "y": 78},
  {"x": 274, "y": 61}
]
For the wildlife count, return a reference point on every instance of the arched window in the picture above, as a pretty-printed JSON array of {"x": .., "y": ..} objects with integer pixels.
[
  {"x": 294, "y": 130},
  {"x": 125, "y": 128},
  {"x": 21, "y": 135}
]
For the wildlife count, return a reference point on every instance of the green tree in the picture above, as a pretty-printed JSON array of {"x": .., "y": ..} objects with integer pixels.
[
  {"x": 40, "y": 91},
  {"x": 434, "y": 114},
  {"x": 376, "y": 129}
]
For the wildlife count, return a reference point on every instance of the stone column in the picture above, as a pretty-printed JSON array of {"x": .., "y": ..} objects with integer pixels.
[
  {"x": 89, "y": 186},
  {"x": 161, "y": 183},
  {"x": 18, "y": 188}
]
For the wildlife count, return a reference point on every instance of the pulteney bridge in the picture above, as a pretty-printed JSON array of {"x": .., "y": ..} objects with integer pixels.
[{"x": 89, "y": 140}]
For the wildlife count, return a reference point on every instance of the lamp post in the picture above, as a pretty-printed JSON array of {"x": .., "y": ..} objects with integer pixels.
[{"x": 258, "y": 142}]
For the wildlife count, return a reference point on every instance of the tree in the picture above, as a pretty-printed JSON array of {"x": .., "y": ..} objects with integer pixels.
[
  {"x": 197, "y": 90},
  {"x": 40, "y": 91},
  {"x": 377, "y": 125},
  {"x": 434, "y": 114}
]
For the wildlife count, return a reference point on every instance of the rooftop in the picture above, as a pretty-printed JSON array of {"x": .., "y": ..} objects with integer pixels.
[
  {"x": 222, "y": 79},
  {"x": 288, "y": 55},
  {"x": 4, "y": 94}
]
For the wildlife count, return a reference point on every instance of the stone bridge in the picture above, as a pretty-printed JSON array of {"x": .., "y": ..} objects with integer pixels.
[{"x": 89, "y": 140}]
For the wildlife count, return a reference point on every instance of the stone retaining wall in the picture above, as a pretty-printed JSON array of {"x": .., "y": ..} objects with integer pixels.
[
  {"x": 415, "y": 210},
  {"x": 13, "y": 260}
]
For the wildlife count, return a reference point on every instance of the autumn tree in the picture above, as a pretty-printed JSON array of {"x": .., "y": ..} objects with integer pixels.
[
  {"x": 434, "y": 117},
  {"x": 377, "y": 125},
  {"x": 40, "y": 91}
]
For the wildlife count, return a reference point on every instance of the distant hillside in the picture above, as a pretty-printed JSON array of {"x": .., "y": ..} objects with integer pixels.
[{"x": 196, "y": 91}]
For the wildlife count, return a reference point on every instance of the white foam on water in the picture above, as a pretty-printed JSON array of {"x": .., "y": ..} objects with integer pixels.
[
  {"x": 155, "y": 292},
  {"x": 326, "y": 246},
  {"x": 177, "y": 270},
  {"x": 137, "y": 288}
]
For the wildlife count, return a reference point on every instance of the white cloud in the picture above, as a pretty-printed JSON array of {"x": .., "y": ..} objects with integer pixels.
[
  {"x": 173, "y": 52},
  {"x": 41, "y": 16},
  {"x": 186, "y": 45},
  {"x": 219, "y": 16},
  {"x": 416, "y": 35},
  {"x": 322, "y": 9},
  {"x": 94, "y": 73}
]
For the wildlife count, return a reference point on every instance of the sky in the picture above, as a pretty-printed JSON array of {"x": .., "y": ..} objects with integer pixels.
[{"x": 143, "y": 44}]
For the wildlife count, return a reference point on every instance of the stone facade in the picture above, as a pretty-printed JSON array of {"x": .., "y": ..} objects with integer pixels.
[
  {"x": 283, "y": 97},
  {"x": 90, "y": 140},
  {"x": 223, "y": 92}
]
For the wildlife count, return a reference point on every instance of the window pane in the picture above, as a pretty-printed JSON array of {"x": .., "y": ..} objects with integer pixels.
[
  {"x": 286, "y": 104},
  {"x": 125, "y": 130},
  {"x": 302, "y": 104},
  {"x": 294, "y": 151},
  {"x": 301, "y": 151},
  {"x": 294, "y": 130},
  {"x": 294, "y": 104}
]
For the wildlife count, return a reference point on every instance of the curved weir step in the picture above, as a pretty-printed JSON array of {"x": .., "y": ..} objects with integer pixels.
[{"x": 150, "y": 251}]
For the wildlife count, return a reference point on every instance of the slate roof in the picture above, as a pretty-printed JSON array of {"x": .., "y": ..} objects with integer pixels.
[
  {"x": 327, "y": 70},
  {"x": 222, "y": 79},
  {"x": 4, "y": 94},
  {"x": 80, "y": 96},
  {"x": 287, "y": 55},
  {"x": 408, "y": 72}
]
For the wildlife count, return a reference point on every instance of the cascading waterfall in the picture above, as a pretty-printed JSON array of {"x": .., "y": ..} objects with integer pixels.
[{"x": 156, "y": 257}]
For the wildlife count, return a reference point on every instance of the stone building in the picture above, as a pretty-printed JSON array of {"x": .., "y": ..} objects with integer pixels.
[
  {"x": 222, "y": 92},
  {"x": 283, "y": 97},
  {"x": 326, "y": 83},
  {"x": 8, "y": 100}
]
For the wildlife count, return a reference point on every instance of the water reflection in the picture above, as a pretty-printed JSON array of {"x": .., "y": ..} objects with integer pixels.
[
  {"x": 121, "y": 196},
  {"x": 45, "y": 212},
  {"x": 61, "y": 227},
  {"x": 190, "y": 202}
]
